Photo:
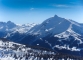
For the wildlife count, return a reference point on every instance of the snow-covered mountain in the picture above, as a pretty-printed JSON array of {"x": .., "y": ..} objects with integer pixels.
[
  {"x": 57, "y": 33},
  {"x": 10, "y": 26},
  {"x": 14, "y": 51},
  {"x": 10, "y": 30},
  {"x": 5, "y": 26}
]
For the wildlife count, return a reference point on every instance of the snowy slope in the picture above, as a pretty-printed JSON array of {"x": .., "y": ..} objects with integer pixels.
[
  {"x": 8, "y": 29},
  {"x": 14, "y": 51},
  {"x": 56, "y": 25},
  {"x": 57, "y": 32},
  {"x": 59, "y": 27},
  {"x": 21, "y": 29},
  {"x": 5, "y": 26},
  {"x": 52, "y": 25}
]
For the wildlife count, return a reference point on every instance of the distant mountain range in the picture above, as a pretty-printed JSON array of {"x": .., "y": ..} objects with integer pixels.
[{"x": 56, "y": 33}]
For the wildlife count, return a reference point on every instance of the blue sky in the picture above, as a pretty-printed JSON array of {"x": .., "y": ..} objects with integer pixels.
[{"x": 36, "y": 11}]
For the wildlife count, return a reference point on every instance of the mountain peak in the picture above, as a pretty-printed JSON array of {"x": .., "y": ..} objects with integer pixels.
[
  {"x": 9, "y": 22},
  {"x": 55, "y": 15}
]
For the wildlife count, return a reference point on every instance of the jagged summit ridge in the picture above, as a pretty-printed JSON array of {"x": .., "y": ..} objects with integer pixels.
[{"x": 56, "y": 25}]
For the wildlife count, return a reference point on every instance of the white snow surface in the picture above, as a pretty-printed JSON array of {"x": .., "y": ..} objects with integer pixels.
[
  {"x": 57, "y": 25},
  {"x": 15, "y": 51},
  {"x": 21, "y": 29}
]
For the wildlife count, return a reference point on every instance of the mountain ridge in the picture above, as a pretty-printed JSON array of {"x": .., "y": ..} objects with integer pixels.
[{"x": 55, "y": 33}]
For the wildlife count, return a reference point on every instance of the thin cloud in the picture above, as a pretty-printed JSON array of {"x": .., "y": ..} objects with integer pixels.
[
  {"x": 31, "y": 8},
  {"x": 59, "y": 5}
]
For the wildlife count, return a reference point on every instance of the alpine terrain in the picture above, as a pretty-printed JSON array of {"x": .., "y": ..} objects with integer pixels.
[
  {"x": 55, "y": 33},
  {"x": 14, "y": 51}
]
